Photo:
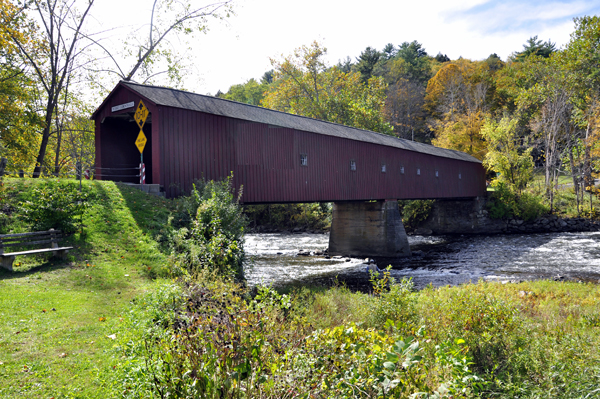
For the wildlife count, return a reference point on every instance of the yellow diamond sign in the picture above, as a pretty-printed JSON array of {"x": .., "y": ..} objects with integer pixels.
[
  {"x": 141, "y": 113},
  {"x": 140, "y": 142}
]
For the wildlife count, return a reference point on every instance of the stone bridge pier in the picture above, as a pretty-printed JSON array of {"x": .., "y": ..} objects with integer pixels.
[{"x": 368, "y": 229}]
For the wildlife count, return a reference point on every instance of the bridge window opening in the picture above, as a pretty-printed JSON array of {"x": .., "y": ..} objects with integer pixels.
[
  {"x": 402, "y": 170},
  {"x": 418, "y": 172},
  {"x": 383, "y": 168},
  {"x": 459, "y": 176},
  {"x": 303, "y": 160},
  {"x": 437, "y": 174},
  {"x": 353, "y": 165}
]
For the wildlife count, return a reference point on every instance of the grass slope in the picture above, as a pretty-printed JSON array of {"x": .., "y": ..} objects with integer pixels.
[{"x": 56, "y": 316}]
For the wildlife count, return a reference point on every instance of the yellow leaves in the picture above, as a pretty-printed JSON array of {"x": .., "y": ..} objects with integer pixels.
[
  {"x": 303, "y": 85},
  {"x": 463, "y": 133}
]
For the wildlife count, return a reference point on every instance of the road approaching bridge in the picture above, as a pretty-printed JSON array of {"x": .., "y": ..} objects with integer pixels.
[{"x": 277, "y": 158}]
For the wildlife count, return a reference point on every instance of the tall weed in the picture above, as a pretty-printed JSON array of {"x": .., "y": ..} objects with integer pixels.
[{"x": 487, "y": 323}]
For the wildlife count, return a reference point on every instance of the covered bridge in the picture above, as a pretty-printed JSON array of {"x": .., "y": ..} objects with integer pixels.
[{"x": 277, "y": 157}]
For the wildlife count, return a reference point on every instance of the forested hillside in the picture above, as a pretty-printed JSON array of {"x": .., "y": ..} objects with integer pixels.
[{"x": 536, "y": 111}]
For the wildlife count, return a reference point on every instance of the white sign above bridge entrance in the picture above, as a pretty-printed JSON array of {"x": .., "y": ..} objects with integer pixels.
[{"x": 123, "y": 106}]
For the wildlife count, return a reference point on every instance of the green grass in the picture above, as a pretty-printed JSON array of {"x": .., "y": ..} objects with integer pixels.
[{"x": 56, "y": 316}]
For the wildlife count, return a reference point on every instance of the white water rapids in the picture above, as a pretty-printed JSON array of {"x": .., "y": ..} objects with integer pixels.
[{"x": 273, "y": 259}]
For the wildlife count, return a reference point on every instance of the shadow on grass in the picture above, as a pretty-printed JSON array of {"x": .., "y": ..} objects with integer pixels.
[
  {"x": 49, "y": 265},
  {"x": 150, "y": 213}
]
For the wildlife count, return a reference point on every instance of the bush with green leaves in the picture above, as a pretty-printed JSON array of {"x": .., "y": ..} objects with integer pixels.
[
  {"x": 215, "y": 236},
  {"x": 53, "y": 204},
  {"x": 414, "y": 212},
  {"x": 504, "y": 203},
  {"x": 288, "y": 216},
  {"x": 203, "y": 341},
  {"x": 396, "y": 301}
]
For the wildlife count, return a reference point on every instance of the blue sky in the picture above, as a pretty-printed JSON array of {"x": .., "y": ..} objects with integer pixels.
[
  {"x": 239, "y": 49},
  {"x": 498, "y": 17}
]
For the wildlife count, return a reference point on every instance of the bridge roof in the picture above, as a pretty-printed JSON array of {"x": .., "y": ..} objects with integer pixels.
[{"x": 232, "y": 109}]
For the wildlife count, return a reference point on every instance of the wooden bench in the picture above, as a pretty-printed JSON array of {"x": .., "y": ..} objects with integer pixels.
[{"x": 48, "y": 238}]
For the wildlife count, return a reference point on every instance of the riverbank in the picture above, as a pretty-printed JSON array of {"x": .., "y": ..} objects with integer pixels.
[{"x": 471, "y": 216}]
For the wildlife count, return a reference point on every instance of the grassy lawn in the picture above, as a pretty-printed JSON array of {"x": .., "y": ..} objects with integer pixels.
[{"x": 57, "y": 317}]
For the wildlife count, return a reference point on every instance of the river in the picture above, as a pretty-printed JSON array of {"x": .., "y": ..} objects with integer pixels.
[{"x": 440, "y": 260}]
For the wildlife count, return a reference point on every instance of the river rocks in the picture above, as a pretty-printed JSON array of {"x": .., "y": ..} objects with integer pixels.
[{"x": 554, "y": 224}]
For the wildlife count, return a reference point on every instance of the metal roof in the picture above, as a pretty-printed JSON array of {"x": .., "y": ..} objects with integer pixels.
[{"x": 232, "y": 109}]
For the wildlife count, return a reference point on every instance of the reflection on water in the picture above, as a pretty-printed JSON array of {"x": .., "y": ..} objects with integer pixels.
[{"x": 273, "y": 259}]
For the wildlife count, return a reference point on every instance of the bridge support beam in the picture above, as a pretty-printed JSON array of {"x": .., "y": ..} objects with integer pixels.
[{"x": 368, "y": 229}]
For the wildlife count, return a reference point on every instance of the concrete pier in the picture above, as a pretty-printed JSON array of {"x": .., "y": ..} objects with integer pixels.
[{"x": 368, "y": 229}]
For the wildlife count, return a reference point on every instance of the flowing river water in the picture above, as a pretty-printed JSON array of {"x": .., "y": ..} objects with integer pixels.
[{"x": 274, "y": 259}]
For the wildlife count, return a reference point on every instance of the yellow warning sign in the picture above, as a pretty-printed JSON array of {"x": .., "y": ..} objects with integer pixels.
[
  {"x": 141, "y": 114},
  {"x": 140, "y": 142}
]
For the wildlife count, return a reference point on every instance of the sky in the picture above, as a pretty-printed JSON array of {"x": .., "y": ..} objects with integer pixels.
[{"x": 240, "y": 47}]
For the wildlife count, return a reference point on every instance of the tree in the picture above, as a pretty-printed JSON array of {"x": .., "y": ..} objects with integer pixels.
[
  {"x": 553, "y": 126},
  {"x": 53, "y": 63},
  {"x": 506, "y": 155},
  {"x": 458, "y": 98},
  {"x": 441, "y": 58},
  {"x": 345, "y": 65},
  {"x": 389, "y": 51},
  {"x": 250, "y": 92},
  {"x": 153, "y": 50},
  {"x": 581, "y": 59},
  {"x": 533, "y": 46},
  {"x": 404, "y": 108},
  {"x": 366, "y": 63},
  {"x": 19, "y": 121},
  {"x": 494, "y": 62},
  {"x": 267, "y": 77},
  {"x": 412, "y": 62},
  {"x": 304, "y": 85}
]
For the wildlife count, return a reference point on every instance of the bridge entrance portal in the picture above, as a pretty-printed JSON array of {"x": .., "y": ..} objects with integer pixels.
[{"x": 120, "y": 156}]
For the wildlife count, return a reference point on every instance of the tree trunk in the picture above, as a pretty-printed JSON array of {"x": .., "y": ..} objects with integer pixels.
[
  {"x": 57, "y": 156},
  {"x": 574, "y": 177},
  {"x": 587, "y": 164},
  {"x": 39, "y": 162}
]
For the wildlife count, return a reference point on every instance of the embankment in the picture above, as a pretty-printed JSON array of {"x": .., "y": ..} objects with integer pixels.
[{"x": 470, "y": 216}]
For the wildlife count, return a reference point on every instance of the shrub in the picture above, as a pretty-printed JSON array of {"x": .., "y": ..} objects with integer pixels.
[
  {"x": 215, "y": 237},
  {"x": 54, "y": 205},
  {"x": 505, "y": 204},
  {"x": 414, "y": 212},
  {"x": 287, "y": 216},
  {"x": 203, "y": 341},
  {"x": 397, "y": 304}
]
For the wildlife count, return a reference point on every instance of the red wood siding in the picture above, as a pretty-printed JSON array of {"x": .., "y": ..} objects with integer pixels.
[
  {"x": 265, "y": 160},
  {"x": 187, "y": 145}
]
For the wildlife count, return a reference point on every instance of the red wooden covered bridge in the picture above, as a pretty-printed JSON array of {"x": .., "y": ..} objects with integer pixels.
[{"x": 276, "y": 157}]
